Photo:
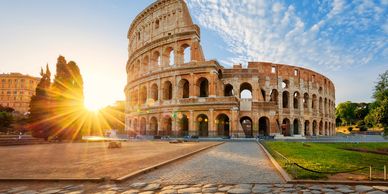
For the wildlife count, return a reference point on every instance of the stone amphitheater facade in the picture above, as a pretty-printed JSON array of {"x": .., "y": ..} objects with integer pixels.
[{"x": 173, "y": 91}]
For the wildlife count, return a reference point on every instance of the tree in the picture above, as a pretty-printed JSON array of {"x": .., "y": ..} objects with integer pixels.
[
  {"x": 346, "y": 112},
  {"x": 6, "y": 119},
  {"x": 378, "y": 116},
  {"x": 68, "y": 99},
  {"x": 39, "y": 121}
]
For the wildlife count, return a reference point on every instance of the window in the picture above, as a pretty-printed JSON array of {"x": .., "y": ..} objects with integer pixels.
[
  {"x": 156, "y": 24},
  {"x": 273, "y": 70},
  {"x": 296, "y": 72},
  {"x": 313, "y": 78}
]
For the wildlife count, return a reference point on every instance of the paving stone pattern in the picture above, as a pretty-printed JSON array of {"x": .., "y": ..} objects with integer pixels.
[
  {"x": 229, "y": 163},
  {"x": 155, "y": 188}
]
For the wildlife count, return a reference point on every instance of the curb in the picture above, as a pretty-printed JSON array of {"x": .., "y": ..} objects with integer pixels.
[
  {"x": 333, "y": 182},
  {"x": 281, "y": 171},
  {"x": 145, "y": 170}
]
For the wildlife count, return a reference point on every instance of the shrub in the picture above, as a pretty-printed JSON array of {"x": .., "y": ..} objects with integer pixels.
[
  {"x": 360, "y": 123},
  {"x": 350, "y": 129},
  {"x": 363, "y": 128}
]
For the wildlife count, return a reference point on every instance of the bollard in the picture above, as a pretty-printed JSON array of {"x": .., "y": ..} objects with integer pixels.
[
  {"x": 370, "y": 173},
  {"x": 385, "y": 172}
]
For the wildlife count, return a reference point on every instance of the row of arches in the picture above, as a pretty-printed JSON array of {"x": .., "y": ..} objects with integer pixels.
[
  {"x": 324, "y": 105},
  {"x": 167, "y": 57},
  {"x": 151, "y": 127},
  {"x": 222, "y": 126},
  {"x": 321, "y": 128},
  {"x": 202, "y": 90}
]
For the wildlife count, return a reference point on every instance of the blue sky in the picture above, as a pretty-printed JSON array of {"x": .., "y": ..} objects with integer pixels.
[{"x": 344, "y": 40}]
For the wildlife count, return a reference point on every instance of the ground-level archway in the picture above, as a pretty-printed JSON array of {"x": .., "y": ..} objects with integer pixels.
[
  {"x": 296, "y": 127},
  {"x": 184, "y": 125},
  {"x": 143, "y": 124},
  {"x": 153, "y": 126},
  {"x": 246, "y": 123},
  {"x": 286, "y": 127},
  {"x": 307, "y": 128},
  {"x": 223, "y": 126},
  {"x": 166, "y": 126},
  {"x": 264, "y": 126},
  {"x": 202, "y": 125}
]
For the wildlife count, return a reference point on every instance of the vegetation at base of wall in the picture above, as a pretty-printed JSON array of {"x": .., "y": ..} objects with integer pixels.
[{"x": 329, "y": 157}]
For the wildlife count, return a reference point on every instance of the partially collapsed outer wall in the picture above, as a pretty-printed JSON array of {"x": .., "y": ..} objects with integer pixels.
[{"x": 172, "y": 90}]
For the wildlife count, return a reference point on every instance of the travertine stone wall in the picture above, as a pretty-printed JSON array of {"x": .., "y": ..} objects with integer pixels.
[{"x": 172, "y": 90}]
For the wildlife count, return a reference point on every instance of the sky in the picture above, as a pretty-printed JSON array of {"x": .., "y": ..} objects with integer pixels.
[{"x": 346, "y": 40}]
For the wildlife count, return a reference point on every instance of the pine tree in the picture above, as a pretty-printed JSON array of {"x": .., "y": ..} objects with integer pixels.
[{"x": 40, "y": 124}]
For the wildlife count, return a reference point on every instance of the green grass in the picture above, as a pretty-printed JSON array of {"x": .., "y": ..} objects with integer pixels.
[{"x": 328, "y": 157}]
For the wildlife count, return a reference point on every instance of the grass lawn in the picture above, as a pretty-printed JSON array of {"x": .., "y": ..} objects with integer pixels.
[{"x": 328, "y": 157}]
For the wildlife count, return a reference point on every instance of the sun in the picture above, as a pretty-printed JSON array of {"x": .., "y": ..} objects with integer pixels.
[{"x": 94, "y": 107}]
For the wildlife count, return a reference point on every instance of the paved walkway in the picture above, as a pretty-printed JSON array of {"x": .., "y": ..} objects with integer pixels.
[
  {"x": 156, "y": 188},
  {"x": 229, "y": 163}
]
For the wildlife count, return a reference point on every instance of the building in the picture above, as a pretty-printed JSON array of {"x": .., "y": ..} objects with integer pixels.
[
  {"x": 173, "y": 90},
  {"x": 16, "y": 91}
]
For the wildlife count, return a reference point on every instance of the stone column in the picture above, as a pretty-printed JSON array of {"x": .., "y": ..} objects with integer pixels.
[
  {"x": 192, "y": 86},
  {"x": 212, "y": 88},
  {"x": 192, "y": 130},
  {"x": 211, "y": 123}
]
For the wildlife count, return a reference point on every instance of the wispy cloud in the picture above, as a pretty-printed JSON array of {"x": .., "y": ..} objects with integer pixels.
[{"x": 328, "y": 36}]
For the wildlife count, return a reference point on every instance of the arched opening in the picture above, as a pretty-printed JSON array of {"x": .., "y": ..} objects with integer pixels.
[
  {"x": 285, "y": 84},
  {"x": 184, "y": 125},
  {"x": 286, "y": 96},
  {"x": 326, "y": 132},
  {"x": 307, "y": 128},
  {"x": 246, "y": 90},
  {"x": 156, "y": 24},
  {"x": 184, "y": 88},
  {"x": 143, "y": 124},
  {"x": 246, "y": 124},
  {"x": 156, "y": 58},
  {"x": 167, "y": 126},
  {"x": 274, "y": 96},
  {"x": 135, "y": 97},
  {"x": 203, "y": 87},
  {"x": 228, "y": 90},
  {"x": 296, "y": 100},
  {"x": 320, "y": 104},
  {"x": 186, "y": 53},
  {"x": 202, "y": 125},
  {"x": 146, "y": 61},
  {"x": 314, "y": 102},
  {"x": 263, "y": 93},
  {"x": 296, "y": 127},
  {"x": 154, "y": 92},
  {"x": 222, "y": 122},
  {"x": 320, "y": 90},
  {"x": 315, "y": 128},
  {"x": 167, "y": 90},
  {"x": 264, "y": 126},
  {"x": 143, "y": 95},
  {"x": 134, "y": 126},
  {"x": 320, "y": 128},
  {"x": 169, "y": 56},
  {"x": 286, "y": 127},
  {"x": 305, "y": 100},
  {"x": 153, "y": 126},
  {"x": 325, "y": 106},
  {"x": 220, "y": 76}
]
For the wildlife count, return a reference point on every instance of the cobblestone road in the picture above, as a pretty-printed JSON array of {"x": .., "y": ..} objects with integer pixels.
[{"x": 229, "y": 163}]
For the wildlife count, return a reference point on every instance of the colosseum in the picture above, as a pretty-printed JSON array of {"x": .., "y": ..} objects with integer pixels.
[{"x": 172, "y": 90}]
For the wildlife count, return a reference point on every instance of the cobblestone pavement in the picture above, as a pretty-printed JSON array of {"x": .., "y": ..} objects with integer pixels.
[
  {"x": 154, "y": 188},
  {"x": 229, "y": 163}
]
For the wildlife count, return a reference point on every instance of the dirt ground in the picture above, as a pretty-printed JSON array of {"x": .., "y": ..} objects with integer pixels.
[{"x": 87, "y": 160}]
